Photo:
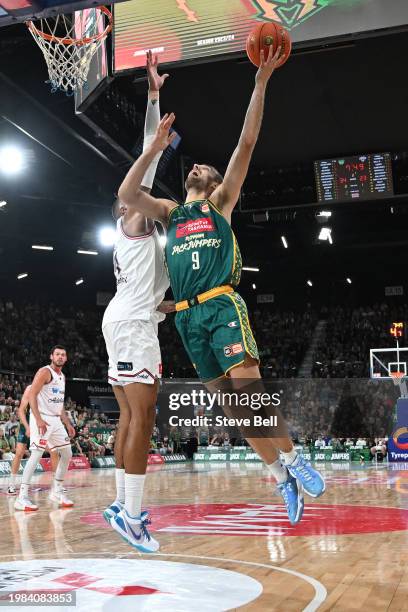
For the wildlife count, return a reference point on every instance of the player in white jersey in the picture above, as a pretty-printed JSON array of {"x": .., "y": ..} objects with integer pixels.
[
  {"x": 130, "y": 327},
  {"x": 47, "y": 420}
]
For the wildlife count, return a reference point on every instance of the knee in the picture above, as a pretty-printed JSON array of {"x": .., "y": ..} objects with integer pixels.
[{"x": 144, "y": 419}]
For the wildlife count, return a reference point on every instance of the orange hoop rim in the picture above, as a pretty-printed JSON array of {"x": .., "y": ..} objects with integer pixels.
[
  {"x": 397, "y": 375},
  {"x": 75, "y": 41}
]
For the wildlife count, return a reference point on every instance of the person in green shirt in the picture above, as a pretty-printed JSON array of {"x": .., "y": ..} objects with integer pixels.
[{"x": 204, "y": 265}]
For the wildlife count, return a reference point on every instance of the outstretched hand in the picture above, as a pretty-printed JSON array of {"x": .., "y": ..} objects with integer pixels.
[
  {"x": 163, "y": 138},
  {"x": 268, "y": 65},
  {"x": 156, "y": 80}
]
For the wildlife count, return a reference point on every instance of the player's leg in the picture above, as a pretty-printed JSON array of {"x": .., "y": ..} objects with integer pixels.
[
  {"x": 121, "y": 435},
  {"x": 138, "y": 367},
  {"x": 54, "y": 459},
  {"x": 60, "y": 444},
  {"x": 15, "y": 466}
]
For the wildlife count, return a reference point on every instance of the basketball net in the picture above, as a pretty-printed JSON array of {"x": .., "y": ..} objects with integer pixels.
[{"x": 69, "y": 43}]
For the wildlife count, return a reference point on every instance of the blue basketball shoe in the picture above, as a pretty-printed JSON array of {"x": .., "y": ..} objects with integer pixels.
[
  {"x": 312, "y": 482},
  {"x": 292, "y": 493},
  {"x": 112, "y": 510},
  {"x": 134, "y": 531}
]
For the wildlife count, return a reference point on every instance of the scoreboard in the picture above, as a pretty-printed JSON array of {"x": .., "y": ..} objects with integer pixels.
[{"x": 361, "y": 177}]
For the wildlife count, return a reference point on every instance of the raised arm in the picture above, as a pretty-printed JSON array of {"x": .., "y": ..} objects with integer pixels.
[
  {"x": 130, "y": 193},
  {"x": 226, "y": 195}
]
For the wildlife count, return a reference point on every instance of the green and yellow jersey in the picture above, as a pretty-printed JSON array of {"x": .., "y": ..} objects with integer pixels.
[{"x": 201, "y": 250}]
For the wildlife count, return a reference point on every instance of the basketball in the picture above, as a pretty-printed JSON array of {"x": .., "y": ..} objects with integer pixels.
[{"x": 262, "y": 37}]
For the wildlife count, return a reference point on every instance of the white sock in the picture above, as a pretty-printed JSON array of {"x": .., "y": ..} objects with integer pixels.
[
  {"x": 120, "y": 485},
  {"x": 29, "y": 471},
  {"x": 278, "y": 471},
  {"x": 133, "y": 494},
  {"x": 289, "y": 457},
  {"x": 13, "y": 479}
]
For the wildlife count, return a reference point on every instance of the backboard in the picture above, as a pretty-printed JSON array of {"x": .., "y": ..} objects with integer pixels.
[{"x": 384, "y": 362}]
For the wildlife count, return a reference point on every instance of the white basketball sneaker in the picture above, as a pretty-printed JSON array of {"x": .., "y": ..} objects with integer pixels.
[
  {"x": 25, "y": 504},
  {"x": 134, "y": 531},
  {"x": 61, "y": 499}
]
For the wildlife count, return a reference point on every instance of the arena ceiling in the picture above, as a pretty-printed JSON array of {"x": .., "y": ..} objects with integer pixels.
[{"x": 343, "y": 100}]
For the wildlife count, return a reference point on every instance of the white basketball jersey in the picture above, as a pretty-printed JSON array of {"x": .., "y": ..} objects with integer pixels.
[
  {"x": 141, "y": 277},
  {"x": 50, "y": 399}
]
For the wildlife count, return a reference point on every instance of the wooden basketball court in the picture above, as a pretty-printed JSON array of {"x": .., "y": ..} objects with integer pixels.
[{"x": 349, "y": 552}]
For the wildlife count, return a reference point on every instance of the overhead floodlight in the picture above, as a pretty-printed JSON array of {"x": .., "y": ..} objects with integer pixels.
[
  {"x": 249, "y": 269},
  {"x": 79, "y": 281},
  {"x": 107, "y": 236},
  {"x": 309, "y": 282},
  {"x": 349, "y": 281},
  {"x": 3, "y": 203},
  {"x": 22, "y": 275},
  {"x": 85, "y": 252},
  {"x": 253, "y": 286},
  {"x": 42, "y": 247},
  {"x": 11, "y": 160},
  {"x": 284, "y": 242}
]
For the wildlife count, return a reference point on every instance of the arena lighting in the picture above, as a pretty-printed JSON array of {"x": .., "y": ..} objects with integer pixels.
[
  {"x": 248, "y": 269},
  {"x": 22, "y": 275},
  {"x": 253, "y": 286},
  {"x": 79, "y": 281},
  {"x": 349, "y": 280},
  {"x": 84, "y": 252},
  {"x": 309, "y": 282},
  {"x": 325, "y": 234},
  {"x": 324, "y": 213},
  {"x": 107, "y": 236},
  {"x": 284, "y": 242},
  {"x": 162, "y": 240},
  {"x": 3, "y": 203},
  {"x": 11, "y": 160},
  {"x": 42, "y": 247}
]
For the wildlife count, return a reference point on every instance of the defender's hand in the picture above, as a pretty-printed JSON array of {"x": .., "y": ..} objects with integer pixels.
[
  {"x": 167, "y": 306},
  {"x": 268, "y": 65},
  {"x": 156, "y": 81},
  {"x": 162, "y": 137},
  {"x": 71, "y": 431}
]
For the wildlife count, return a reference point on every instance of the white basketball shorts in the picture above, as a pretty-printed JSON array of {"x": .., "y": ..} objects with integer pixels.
[
  {"x": 55, "y": 436},
  {"x": 133, "y": 351}
]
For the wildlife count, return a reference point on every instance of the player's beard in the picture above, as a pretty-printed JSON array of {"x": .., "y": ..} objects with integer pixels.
[{"x": 196, "y": 182}]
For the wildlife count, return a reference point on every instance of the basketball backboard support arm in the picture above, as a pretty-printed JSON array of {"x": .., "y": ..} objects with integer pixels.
[{"x": 390, "y": 364}]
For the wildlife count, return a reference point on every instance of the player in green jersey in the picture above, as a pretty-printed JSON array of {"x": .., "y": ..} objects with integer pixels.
[{"x": 204, "y": 266}]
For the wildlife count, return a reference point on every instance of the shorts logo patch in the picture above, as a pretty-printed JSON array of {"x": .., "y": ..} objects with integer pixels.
[
  {"x": 205, "y": 207},
  {"x": 42, "y": 442},
  {"x": 125, "y": 366},
  {"x": 233, "y": 349},
  {"x": 193, "y": 227},
  {"x": 233, "y": 324}
]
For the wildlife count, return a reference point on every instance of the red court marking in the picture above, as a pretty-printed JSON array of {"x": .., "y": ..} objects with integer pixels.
[{"x": 269, "y": 519}]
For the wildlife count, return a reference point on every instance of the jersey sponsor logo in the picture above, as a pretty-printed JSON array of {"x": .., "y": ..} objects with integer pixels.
[
  {"x": 233, "y": 324},
  {"x": 192, "y": 227},
  {"x": 55, "y": 389},
  {"x": 233, "y": 349},
  {"x": 205, "y": 207},
  {"x": 125, "y": 366}
]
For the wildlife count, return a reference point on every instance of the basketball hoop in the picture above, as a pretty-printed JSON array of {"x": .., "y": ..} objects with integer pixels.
[
  {"x": 397, "y": 377},
  {"x": 69, "y": 44}
]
